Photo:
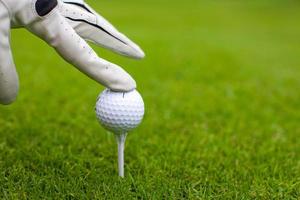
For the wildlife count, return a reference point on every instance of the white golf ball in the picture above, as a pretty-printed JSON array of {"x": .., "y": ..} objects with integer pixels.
[{"x": 120, "y": 112}]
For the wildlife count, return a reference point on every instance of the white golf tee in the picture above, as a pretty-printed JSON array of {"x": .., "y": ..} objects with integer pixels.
[{"x": 121, "y": 138}]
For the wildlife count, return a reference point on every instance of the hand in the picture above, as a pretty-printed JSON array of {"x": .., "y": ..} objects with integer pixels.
[{"x": 64, "y": 25}]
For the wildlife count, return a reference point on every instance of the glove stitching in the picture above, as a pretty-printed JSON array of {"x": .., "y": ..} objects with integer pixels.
[
  {"x": 8, "y": 10},
  {"x": 97, "y": 26},
  {"x": 80, "y": 5}
]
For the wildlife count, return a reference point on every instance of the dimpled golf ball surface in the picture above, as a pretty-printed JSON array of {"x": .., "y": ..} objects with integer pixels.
[{"x": 120, "y": 112}]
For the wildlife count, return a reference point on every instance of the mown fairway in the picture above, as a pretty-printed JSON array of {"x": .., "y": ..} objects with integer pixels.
[{"x": 221, "y": 84}]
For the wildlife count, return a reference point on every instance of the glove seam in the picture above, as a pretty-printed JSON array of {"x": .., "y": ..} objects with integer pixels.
[{"x": 8, "y": 10}]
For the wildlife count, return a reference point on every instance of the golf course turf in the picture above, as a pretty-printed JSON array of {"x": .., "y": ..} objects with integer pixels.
[{"x": 221, "y": 85}]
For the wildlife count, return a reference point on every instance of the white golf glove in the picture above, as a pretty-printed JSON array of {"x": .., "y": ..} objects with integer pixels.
[{"x": 64, "y": 25}]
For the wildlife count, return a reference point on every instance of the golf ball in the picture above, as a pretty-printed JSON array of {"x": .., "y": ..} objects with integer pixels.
[{"x": 119, "y": 112}]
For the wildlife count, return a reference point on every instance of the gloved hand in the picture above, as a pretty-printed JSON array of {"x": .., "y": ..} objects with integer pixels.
[{"x": 64, "y": 25}]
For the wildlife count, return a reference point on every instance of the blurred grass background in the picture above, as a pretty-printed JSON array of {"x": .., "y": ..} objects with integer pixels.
[{"x": 221, "y": 84}]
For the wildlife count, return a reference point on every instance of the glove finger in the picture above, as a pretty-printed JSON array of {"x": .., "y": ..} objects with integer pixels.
[
  {"x": 93, "y": 27},
  {"x": 57, "y": 32},
  {"x": 9, "y": 81}
]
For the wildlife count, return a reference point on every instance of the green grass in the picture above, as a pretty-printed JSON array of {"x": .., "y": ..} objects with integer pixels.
[{"x": 221, "y": 84}]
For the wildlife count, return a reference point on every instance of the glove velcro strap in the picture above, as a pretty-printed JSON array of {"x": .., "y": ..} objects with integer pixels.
[{"x": 43, "y": 7}]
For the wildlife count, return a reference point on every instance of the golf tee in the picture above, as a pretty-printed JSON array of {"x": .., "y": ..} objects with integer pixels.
[{"x": 121, "y": 144}]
